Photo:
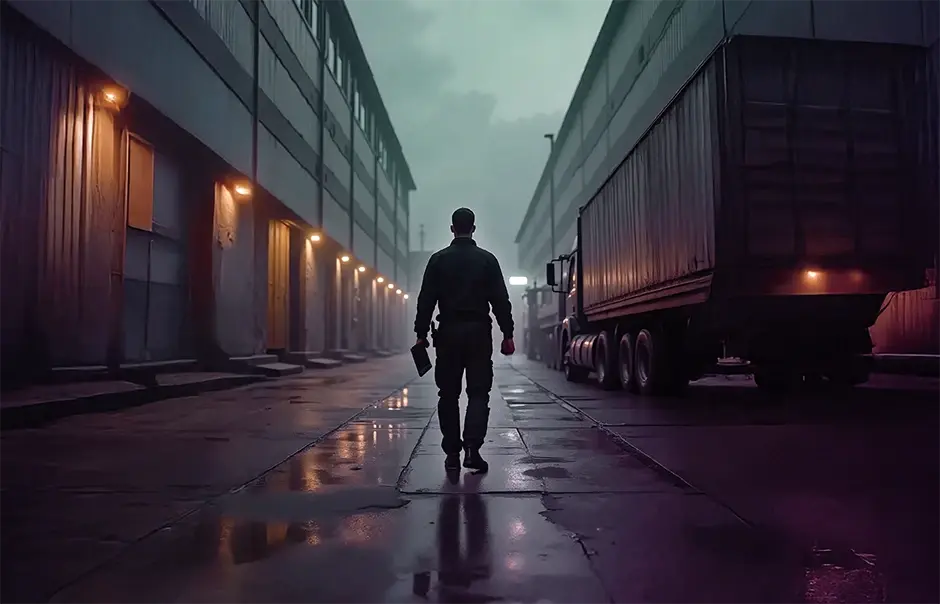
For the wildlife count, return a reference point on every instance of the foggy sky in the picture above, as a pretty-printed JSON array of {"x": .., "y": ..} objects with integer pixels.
[{"x": 471, "y": 87}]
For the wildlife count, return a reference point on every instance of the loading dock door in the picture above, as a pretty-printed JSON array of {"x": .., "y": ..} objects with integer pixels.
[
  {"x": 155, "y": 293},
  {"x": 278, "y": 285}
]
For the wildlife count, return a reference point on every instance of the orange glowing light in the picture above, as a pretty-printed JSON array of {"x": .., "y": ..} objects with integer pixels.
[
  {"x": 362, "y": 269},
  {"x": 380, "y": 279},
  {"x": 242, "y": 190},
  {"x": 812, "y": 275},
  {"x": 314, "y": 238},
  {"x": 344, "y": 258},
  {"x": 391, "y": 286}
]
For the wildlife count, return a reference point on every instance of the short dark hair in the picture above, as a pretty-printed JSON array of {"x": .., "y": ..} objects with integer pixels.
[{"x": 462, "y": 221}]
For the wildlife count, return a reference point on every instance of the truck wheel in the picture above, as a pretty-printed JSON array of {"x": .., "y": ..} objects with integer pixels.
[
  {"x": 572, "y": 373},
  {"x": 605, "y": 361},
  {"x": 627, "y": 363},
  {"x": 575, "y": 374},
  {"x": 651, "y": 362}
]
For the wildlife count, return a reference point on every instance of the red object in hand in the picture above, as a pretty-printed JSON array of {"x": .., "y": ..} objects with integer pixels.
[
  {"x": 423, "y": 342},
  {"x": 508, "y": 347}
]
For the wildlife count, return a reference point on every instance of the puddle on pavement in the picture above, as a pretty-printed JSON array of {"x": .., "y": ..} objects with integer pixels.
[{"x": 843, "y": 576}]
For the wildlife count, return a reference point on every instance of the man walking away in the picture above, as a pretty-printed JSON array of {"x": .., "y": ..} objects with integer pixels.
[{"x": 464, "y": 280}]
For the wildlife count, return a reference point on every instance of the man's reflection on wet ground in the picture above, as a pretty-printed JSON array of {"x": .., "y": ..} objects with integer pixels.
[{"x": 458, "y": 570}]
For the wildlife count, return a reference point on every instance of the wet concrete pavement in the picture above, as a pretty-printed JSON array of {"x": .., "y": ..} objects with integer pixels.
[{"x": 570, "y": 511}]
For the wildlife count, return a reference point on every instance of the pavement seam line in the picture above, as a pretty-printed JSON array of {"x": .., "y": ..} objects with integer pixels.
[
  {"x": 414, "y": 453},
  {"x": 639, "y": 454},
  {"x": 205, "y": 503}
]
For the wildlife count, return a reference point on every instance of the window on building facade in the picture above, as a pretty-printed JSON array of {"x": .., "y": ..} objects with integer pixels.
[
  {"x": 139, "y": 185},
  {"x": 315, "y": 20},
  {"x": 330, "y": 53},
  {"x": 338, "y": 70},
  {"x": 354, "y": 102},
  {"x": 309, "y": 11}
]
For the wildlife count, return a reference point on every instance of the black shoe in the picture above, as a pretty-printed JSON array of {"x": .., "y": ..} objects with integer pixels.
[
  {"x": 474, "y": 461},
  {"x": 452, "y": 462}
]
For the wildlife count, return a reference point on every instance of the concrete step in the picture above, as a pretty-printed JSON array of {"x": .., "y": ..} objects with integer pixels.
[
  {"x": 255, "y": 359},
  {"x": 352, "y": 357},
  {"x": 38, "y": 405},
  {"x": 336, "y": 353},
  {"x": 279, "y": 369},
  {"x": 300, "y": 357},
  {"x": 135, "y": 372},
  {"x": 323, "y": 363},
  {"x": 924, "y": 365},
  {"x": 383, "y": 353}
]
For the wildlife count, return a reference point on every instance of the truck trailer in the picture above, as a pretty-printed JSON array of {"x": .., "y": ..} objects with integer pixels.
[{"x": 765, "y": 214}]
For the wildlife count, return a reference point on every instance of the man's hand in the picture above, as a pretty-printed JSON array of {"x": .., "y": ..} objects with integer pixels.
[
  {"x": 508, "y": 347},
  {"x": 423, "y": 342}
]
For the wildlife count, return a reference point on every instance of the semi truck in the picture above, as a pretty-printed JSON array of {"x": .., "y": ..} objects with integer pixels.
[{"x": 765, "y": 214}]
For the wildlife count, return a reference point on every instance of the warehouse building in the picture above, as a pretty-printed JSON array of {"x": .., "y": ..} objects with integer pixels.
[
  {"x": 644, "y": 55},
  {"x": 195, "y": 179}
]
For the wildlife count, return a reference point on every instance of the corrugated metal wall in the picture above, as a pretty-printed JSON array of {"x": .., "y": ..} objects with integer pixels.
[
  {"x": 59, "y": 199},
  {"x": 653, "y": 221}
]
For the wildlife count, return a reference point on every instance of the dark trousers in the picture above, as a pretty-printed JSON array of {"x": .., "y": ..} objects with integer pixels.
[{"x": 463, "y": 347}]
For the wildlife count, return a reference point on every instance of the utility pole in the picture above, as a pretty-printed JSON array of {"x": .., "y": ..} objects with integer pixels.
[
  {"x": 551, "y": 191},
  {"x": 421, "y": 237}
]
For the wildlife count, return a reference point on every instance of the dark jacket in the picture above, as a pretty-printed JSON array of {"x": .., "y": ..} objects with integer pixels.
[{"x": 464, "y": 280}]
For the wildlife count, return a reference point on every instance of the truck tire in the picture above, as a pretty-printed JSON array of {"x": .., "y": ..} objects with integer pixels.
[
  {"x": 605, "y": 362},
  {"x": 651, "y": 361},
  {"x": 572, "y": 373},
  {"x": 627, "y": 364}
]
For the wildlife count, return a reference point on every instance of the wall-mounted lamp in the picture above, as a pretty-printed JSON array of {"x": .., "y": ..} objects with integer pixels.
[
  {"x": 344, "y": 258},
  {"x": 398, "y": 291},
  {"x": 361, "y": 269},
  {"x": 113, "y": 97},
  {"x": 391, "y": 286},
  {"x": 406, "y": 296},
  {"x": 315, "y": 238},
  {"x": 380, "y": 279},
  {"x": 242, "y": 190}
]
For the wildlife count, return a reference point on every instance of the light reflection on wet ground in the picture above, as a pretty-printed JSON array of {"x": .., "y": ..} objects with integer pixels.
[{"x": 564, "y": 515}]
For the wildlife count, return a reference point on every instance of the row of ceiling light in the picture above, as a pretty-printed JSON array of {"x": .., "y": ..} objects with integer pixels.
[{"x": 346, "y": 258}]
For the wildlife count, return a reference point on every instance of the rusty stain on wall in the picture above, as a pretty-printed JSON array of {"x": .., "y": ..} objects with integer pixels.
[{"x": 226, "y": 216}]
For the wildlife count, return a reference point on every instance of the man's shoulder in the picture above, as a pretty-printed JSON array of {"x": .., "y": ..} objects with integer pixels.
[{"x": 487, "y": 254}]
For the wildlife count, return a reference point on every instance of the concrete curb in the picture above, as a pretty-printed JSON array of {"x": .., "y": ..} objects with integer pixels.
[
  {"x": 37, "y": 414},
  {"x": 925, "y": 365}
]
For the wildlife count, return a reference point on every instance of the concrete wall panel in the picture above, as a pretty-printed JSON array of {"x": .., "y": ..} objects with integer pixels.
[
  {"x": 240, "y": 291},
  {"x": 295, "y": 30},
  {"x": 279, "y": 173},
  {"x": 364, "y": 198},
  {"x": 230, "y": 21},
  {"x": 315, "y": 298},
  {"x": 335, "y": 220},
  {"x": 386, "y": 266},
  {"x": 278, "y": 85},
  {"x": 363, "y": 245},
  {"x": 336, "y": 102},
  {"x": 364, "y": 152}
]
